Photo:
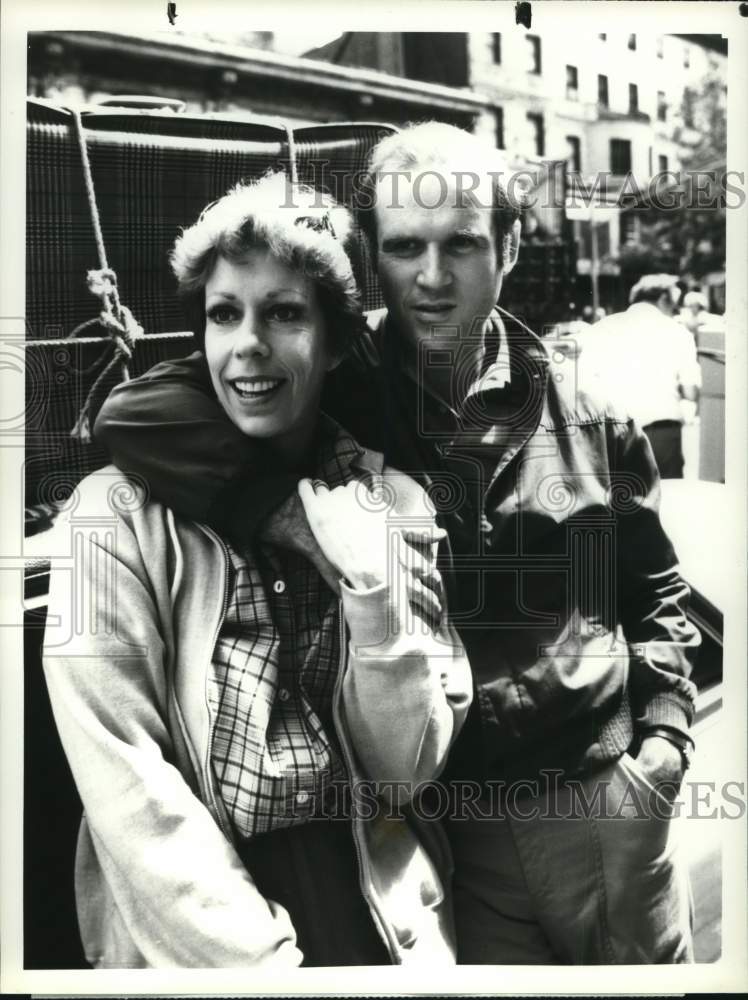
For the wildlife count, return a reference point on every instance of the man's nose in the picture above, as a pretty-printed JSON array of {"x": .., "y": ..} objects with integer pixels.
[
  {"x": 434, "y": 270},
  {"x": 251, "y": 340}
]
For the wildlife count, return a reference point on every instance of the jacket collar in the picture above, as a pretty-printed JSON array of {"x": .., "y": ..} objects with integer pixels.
[
  {"x": 340, "y": 456},
  {"x": 517, "y": 349}
]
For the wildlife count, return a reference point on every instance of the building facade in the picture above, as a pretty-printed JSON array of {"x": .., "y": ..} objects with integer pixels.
[
  {"x": 214, "y": 76},
  {"x": 610, "y": 105},
  {"x": 602, "y": 105},
  {"x": 615, "y": 107}
]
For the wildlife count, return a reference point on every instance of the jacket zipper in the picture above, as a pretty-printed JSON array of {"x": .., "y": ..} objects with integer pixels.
[
  {"x": 207, "y": 770},
  {"x": 363, "y": 867},
  {"x": 356, "y": 822}
]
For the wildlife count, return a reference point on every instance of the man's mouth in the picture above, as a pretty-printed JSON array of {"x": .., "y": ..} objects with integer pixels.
[
  {"x": 435, "y": 309},
  {"x": 250, "y": 389}
]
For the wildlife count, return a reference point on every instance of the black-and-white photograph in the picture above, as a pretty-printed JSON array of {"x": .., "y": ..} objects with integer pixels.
[{"x": 380, "y": 485}]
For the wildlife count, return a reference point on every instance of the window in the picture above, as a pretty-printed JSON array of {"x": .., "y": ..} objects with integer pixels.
[
  {"x": 499, "y": 115},
  {"x": 620, "y": 156},
  {"x": 660, "y": 47},
  {"x": 537, "y": 128},
  {"x": 632, "y": 43},
  {"x": 496, "y": 48},
  {"x": 585, "y": 239},
  {"x": 574, "y": 153},
  {"x": 603, "y": 239},
  {"x": 686, "y": 57},
  {"x": 628, "y": 228},
  {"x": 662, "y": 164},
  {"x": 572, "y": 83},
  {"x": 534, "y": 62},
  {"x": 661, "y": 106},
  {"x": 602, "y": 90},
  {"x": 633, "y": 98}
]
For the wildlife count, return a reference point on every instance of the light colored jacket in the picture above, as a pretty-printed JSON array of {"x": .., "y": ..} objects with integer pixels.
[
  {"x": 131, "y": 630},
  {"x": 643, "y": 362}
]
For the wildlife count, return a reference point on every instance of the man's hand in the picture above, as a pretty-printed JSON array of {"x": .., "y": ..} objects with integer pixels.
[
  {"x": 357, "y": 535},
  {"x": 662, "y": 764},
  {"x": 288, "y": 528}
]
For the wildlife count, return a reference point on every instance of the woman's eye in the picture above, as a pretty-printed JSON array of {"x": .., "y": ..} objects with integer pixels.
[
  {"x": 285, "y": 313},
  {"x": 221, "y": 315}
]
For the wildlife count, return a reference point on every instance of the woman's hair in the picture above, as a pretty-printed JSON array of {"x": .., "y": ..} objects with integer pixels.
[{"x": 302, "y": 228}]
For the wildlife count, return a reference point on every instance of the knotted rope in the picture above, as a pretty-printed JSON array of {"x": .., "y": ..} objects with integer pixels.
[{"x": 121, "y": 327}]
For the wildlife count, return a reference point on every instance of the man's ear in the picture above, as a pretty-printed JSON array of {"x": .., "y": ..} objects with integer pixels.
[
  {"x": 665, "y": 302},
  {"x": 511, "y": 247}
]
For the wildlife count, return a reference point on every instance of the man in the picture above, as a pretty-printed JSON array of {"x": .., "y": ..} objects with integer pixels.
[
  {"x": 557, "y": 571},
  {"x": 647, "y": 363}
]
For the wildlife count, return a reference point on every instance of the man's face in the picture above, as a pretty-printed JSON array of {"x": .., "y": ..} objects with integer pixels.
[{"x": 436, "y": 256}]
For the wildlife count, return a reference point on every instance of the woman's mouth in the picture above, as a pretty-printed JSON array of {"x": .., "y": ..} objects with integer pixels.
[{"x": 256, "y": 389}]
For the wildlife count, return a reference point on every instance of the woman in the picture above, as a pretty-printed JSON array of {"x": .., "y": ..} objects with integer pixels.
[{"x": 219, "y": 707}]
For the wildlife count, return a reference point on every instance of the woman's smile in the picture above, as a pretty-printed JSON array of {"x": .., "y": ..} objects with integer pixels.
[{"x": 256, "y": 389}]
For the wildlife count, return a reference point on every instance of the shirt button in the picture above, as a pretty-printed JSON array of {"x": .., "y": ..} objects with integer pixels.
[
  {"x": 284, "y": 694},
  {"x": 279, "y": 586},
  {"x": 302, "y": 798}
]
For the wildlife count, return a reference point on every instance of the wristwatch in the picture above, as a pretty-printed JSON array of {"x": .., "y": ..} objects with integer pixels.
[{"x": 684, "y": 743}]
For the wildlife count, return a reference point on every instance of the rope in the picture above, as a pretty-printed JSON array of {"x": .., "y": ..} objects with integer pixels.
[
  {"x": 90, "y": 192},
  {"x": 122, "y": 328},
  {"x": 153, "y": 338}
]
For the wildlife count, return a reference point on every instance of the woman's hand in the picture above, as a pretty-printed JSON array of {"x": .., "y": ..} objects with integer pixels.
[{"x": 361, "y": 537}]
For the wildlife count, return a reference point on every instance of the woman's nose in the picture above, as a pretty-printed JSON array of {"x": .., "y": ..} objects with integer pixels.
[
  {"x": 250, "y": 339},
  {"x": 433, "y": 273}
]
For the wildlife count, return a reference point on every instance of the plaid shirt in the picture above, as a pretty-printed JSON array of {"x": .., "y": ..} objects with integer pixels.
[{"x": 275, "y": 665}]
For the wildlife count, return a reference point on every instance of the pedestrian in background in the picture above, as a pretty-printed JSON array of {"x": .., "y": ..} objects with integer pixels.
[{"x": 647, "y": 363}]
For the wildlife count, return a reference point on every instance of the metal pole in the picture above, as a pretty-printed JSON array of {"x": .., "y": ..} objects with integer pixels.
[{"x": 594, "y": 263}]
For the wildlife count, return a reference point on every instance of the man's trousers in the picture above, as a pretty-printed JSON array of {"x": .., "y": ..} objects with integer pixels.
[
  {"x": 591, "y": 875},
  {"x": 666, "y": 438}
]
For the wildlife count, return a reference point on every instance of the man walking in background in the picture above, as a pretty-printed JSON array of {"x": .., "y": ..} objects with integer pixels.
[{"x": 647, "y": 363}]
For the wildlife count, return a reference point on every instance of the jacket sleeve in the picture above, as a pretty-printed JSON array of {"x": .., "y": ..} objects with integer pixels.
[
  {"x": 176, "y": 881},
  {"x": 652, "y": 595},
  {"x": 168, "y": 428},
  {"x": 407, "y": 688}
]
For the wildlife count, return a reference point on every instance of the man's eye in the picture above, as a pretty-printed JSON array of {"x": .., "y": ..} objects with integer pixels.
[
  {"x": 221, "y": 315},
  {"x": 286, "y": 313},
  {"x": 401, "y": 248},
  {"x": 461, "y": 244}
]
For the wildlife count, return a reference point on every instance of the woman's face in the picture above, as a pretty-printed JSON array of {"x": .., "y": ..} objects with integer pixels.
[{"x": 266, "y": 348}]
